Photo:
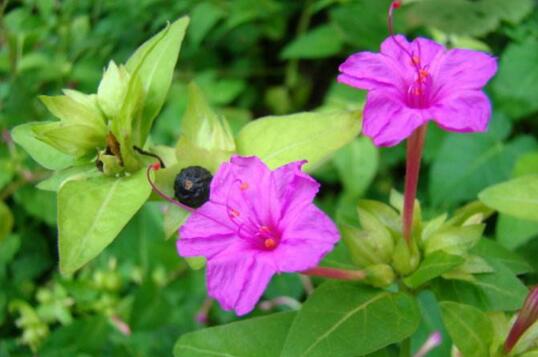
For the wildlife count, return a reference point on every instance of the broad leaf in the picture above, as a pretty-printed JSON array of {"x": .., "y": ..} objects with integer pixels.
[
  {"x": 433, "y": 266},
  {"x": 59, "y": 177},
  {"x": 490, "y": 249},
  {"x": 475, "y": 17},
  {"x": 260, "y": 337},
  {"x": 498, "y": 291},
  {"x": 516, "y": 84},
  {"x": 154, "y": 64},
  {"x": 45, "y": 155},
  {"x": 470, "y": 328},
  {"x": 278, "y": 140},
  {"x": 518, "y": 197},
  {"x": 514, "y": 232},
  {"x": 343, "y": 319},
  {"x": 357, "y": 164},
  {"x": 206, "y": 138},
  {"x": 466, "y": 164},
  {"x": 323, "y": 41},
  {"x": 92, "y": 212}
]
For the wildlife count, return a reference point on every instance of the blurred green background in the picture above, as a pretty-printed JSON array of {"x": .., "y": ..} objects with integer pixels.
[{"x": 251, "y": 58}]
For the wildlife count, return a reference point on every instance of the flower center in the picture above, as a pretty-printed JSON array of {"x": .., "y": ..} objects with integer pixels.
[
  {"x": 268, "y": 237},
  {"x": 419, "y": 91}
]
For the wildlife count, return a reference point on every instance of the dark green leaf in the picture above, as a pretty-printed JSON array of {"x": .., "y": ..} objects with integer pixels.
[
  {"x": 343, "y": 319},
  {"x": 433, "y": 266},
  {"x": 260, "y": 337}
]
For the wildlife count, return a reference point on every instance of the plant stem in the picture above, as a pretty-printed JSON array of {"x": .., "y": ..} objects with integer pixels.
[
  {"x": 335, "y": 273},
  {"x": 415, "y": 144},
  {"x": 405, "y": 348}
]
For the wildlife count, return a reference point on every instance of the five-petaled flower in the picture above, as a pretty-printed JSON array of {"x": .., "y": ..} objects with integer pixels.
[
  {"x": 412, "y": 83},
  {"x": 256, "y": 223}
]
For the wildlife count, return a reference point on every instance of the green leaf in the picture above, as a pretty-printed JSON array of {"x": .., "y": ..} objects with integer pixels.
[
  {"x": 40, "y": 204},
  {"x": 516, "y": 84},
  {"x": 433, "y": 266},
  {"x": 470, "y": 328},
  {"x": 278, "y": 140},
  {"x": 514, "y": 232},
  {"x": 498, "y": 291},
  {"x": 92, "y": 212},
  {"x": 343, "y": 319},
  {"x": 475, "y": 17},
  {"x": 454, "y": 240},
  {"x": 260, "y": 337},
  {"x": 466, "y": 164},
  {"x": 206, "y": 138},
  {"x": 363, "y": 23},
  {"x": 59, "y": 177},
  {"x": 44, "y": 154},
  {"x": 76, "y": 107},
  {"x": 323, "y": 41},
  {"x": 6, "y": 220},
  {"x": 526, "y": 165},
  {"x": 490, "y": 249},
  {"x": 112, "y": 89},
  {"x": 204, "y": 17},
  {"x": 70, "y": 138},
  {"x": 357, "y": 164},
  {"x": 154, "y": 64},
  {"x": 517, "y": 197}
]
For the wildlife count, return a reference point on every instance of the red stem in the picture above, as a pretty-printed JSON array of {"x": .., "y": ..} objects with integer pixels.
[
  {"x": 415, "y": 144},
  {"x": 335, "y": 273}
]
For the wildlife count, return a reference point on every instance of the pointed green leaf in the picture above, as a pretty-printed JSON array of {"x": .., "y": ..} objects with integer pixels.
[
  {"x": 59, "y": 177},
  {"x": 343, "y": 319},
  {"x": 71, "y": 138},
  {"x": 433, "y": 266},
  {"x": 154, "y": 64},
  {"x": 92, "y": 212},
  {"x": 470, "y": 329},
  {"x": 517, "y": 197},
  {"x": 277, "y": 140},
  {"x": 490, "y": 249},
  {"x": 206, "y": 138},
  {"x": 454, "y": 240},
  {"x": 112, "y": 89},
  {"x": 76, "y": 108},
  {"x": 44, "y": 154},
  {"x": 260, "y": 337}
]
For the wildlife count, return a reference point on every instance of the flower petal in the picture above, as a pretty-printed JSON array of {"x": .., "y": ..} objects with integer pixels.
[
  {"x": 237, "y": 283},
  {"x": 241, "y": 183},
  {"x": 295, "y": 188},
  {"x": 206, "y": 232},
  {"x": 466, "y": 111},
  {"x": 387, "y": 120},
  {"x": 308, "y": 235},
  {"x": 462, "y": 69},
  {"x": 401, "y": 51},
  {"x": 367, "y": 70}
]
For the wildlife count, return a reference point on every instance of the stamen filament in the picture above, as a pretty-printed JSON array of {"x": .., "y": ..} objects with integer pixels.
[{"x": 162, "y": 194}]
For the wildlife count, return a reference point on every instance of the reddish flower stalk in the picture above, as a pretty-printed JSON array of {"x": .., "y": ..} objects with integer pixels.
[
  {"x": 526, "y": 318},
  {"x": 335, "y": 273},
  {"x": 415, "y": 143}
]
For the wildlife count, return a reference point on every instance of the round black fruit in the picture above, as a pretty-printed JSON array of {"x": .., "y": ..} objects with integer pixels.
[{"x": 191, "y": 186}]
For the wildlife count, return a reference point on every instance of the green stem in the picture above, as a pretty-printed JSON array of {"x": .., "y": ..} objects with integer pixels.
[{"x": 405, "y": 348}]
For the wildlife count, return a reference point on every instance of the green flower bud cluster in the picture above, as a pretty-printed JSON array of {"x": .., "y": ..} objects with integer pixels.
[{"x": 378, "y": 245}]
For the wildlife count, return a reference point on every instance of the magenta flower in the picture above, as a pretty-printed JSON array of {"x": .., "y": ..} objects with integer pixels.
[
  {"x": 256, "y": 223},
  {"x": 411, "y": 83}
]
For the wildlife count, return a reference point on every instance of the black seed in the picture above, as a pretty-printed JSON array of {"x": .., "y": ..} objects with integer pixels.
[{"x": 191, "y": 186}]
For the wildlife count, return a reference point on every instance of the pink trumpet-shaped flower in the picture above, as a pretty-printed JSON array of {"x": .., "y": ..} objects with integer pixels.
[
  {"x": 410, "y": 83},
  {"x": 256, "y": 223}
]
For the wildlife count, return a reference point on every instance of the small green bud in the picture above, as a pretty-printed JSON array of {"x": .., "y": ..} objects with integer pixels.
[
  {"x": 406, "y": 257},
  {"x": 364, "y": 247},
  {"x": 454, "y": 240},
  {"x": 380, "y": 275},
  {"x": 113, "y": 89}
]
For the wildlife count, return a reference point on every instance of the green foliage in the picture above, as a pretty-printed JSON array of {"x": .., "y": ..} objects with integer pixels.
[
  {"x": 469, "y": 327},
  {"x": 518, "y": 197},
  {"x": 241, "y": 60},
  {"x": 329, "y": 320},
  {"x": 92, "y": 212},
  {"x": 262, "y": 336},
  {"x": 305, "y": 136}
]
